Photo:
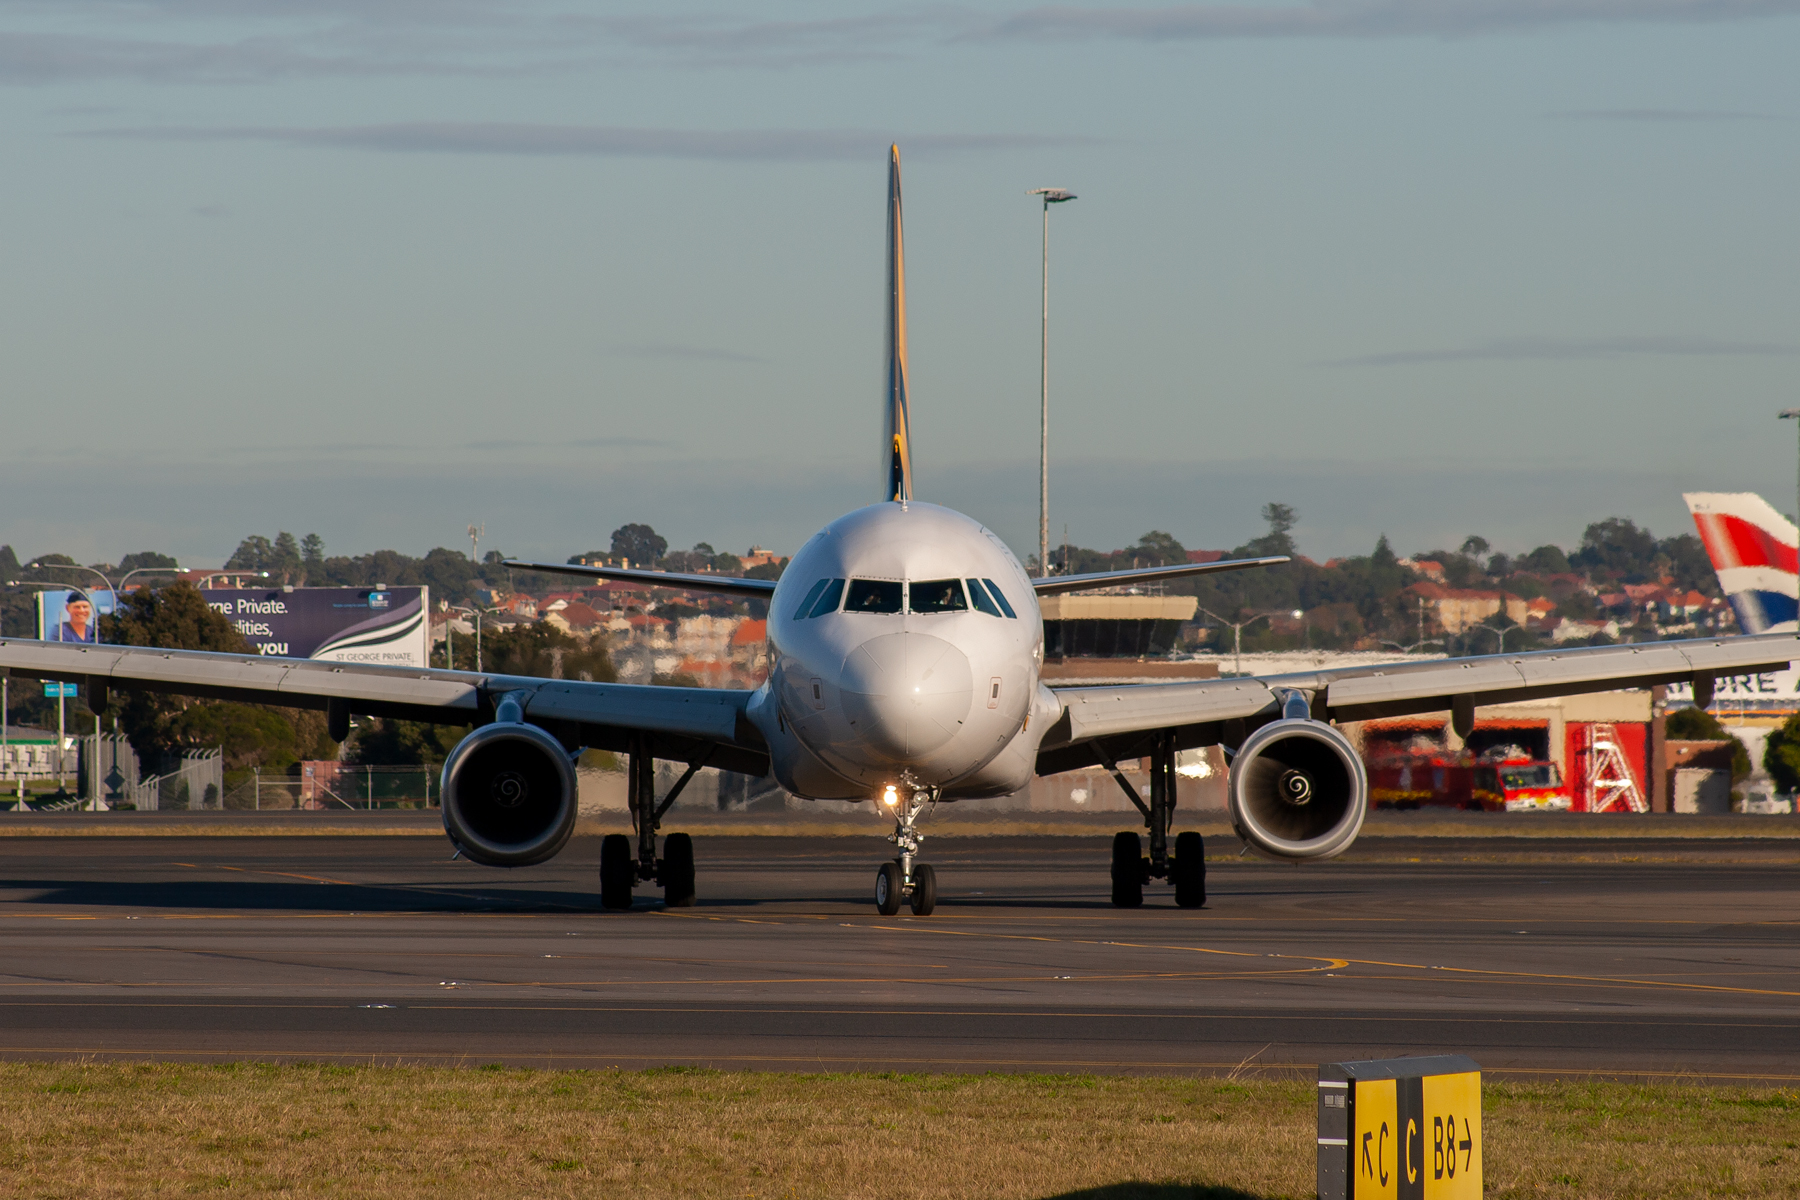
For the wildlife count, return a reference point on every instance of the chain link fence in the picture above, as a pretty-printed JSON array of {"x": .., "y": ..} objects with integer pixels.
[{"x": 338, "y": 787}]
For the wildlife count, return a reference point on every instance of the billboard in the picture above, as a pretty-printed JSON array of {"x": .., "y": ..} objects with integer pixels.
[
  {"x": 353, "y": 625},
  {"x": 386, "y": 627},
  {"x": 1737, "y": 697},
  {"x": 73, "y": 614}
]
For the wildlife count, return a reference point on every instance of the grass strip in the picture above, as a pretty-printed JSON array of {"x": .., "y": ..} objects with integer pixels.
[{"x": 253, "y": 1129}]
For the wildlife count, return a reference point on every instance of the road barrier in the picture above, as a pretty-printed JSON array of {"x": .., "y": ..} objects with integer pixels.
[{"x": 1400, "y": 1128}]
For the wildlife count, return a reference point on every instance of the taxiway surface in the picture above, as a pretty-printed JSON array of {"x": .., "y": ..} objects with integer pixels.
[{"x": 381, "y": 949}]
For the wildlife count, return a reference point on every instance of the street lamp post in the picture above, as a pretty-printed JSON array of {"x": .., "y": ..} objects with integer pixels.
[
  {"x": 473, "y": 612},
  {"x": 1237, "y": 631},
  {"x": 1499, "y": 634},
  {"x": 1051, "y": 195}
]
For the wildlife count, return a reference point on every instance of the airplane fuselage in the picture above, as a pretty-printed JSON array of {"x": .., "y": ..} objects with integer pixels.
[{"x": 904, "y": 649}]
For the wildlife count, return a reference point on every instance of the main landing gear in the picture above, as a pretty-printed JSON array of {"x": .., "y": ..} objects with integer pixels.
[
  {"x": 1131, "y": 868},
  {"x": 902, "y": 879},
  {"x": 620, "y": 872}
]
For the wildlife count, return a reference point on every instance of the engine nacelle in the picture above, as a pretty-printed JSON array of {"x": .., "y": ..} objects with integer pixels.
[
  {"x": 509, "y": 795},
  {"x": 1298, "y": 790}
]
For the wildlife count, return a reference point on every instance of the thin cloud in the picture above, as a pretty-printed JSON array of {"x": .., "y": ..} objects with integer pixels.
[
  {"x": 1657, "y": 116},
  {"x": 1366, "y": 18},
  {"x": 689, "y": 353},
  {"x": 1533, "y": 349},
  {"x": 46, "y": 58},
  {"x": 766, "y": 145},
  {"x": 593, "y": 443}
]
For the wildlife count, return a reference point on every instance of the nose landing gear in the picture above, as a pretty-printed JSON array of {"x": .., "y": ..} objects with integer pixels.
[{"x": 902, "y": 879}]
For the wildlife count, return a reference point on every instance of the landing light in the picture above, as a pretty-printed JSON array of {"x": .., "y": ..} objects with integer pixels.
[{"x": 891, "y": 796}]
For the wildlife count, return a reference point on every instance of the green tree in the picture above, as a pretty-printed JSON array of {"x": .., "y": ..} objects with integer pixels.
[
  {"x": 1281, "y": 519},
  {"x": 1698, "y": 725},
  {"x": 1545, "y": 560},
  {"x": 1689, "y": 564},
  {"x": 1781, "y": 758},
  {"x": 1617, "y": 548},
  {"x": 145, "y": 560},
  {"x": 1156, "y": 549},
  {"x": 312, "y": 552},
  {"x": 390, "y": 743},
  {"x": 639, "y": 543},
  {"x": 284, "y": 557},
  {"x": 1474, "y": 546},
  {"x": 158, "y": 726},
  {"x": 546, "y": 652},
  {"x": 252, "y": 554}
]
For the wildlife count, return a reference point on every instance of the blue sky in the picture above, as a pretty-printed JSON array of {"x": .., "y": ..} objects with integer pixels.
[{"x": 378, "y": 270}]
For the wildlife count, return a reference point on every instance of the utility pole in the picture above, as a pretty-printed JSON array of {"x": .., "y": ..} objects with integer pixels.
[{"x": 1051, "y": 196}]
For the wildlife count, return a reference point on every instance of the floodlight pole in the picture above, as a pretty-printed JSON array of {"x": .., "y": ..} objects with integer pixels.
[
  {"x": 1793, "y": 414},
  {"x": 1050, "y": 196}
]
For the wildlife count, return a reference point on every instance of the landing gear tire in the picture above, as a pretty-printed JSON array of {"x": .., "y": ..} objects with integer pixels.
[
  {"x": 678, "y": 871},
  {"x": 1188, "y": 870},
  {"x": 924, "y": 892},
  {"x": 618, "y": 871},
  {"x": 887, "y": 889},
  {"x": 1127, "y": 871}
]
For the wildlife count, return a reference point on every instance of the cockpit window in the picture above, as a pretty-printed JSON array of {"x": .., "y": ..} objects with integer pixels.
[
  {"x": 936, "y": 596},
  {"x": 982, "y": 600},
  {"x": 805, "y": 609},
  {"x": 873, "y": 596},
  {"x": 828, "y": 600},
  {"x": 1000, "y": 598}
]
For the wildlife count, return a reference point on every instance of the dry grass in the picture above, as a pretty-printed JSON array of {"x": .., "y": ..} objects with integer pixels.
[{"x": 99, "y": 1130}]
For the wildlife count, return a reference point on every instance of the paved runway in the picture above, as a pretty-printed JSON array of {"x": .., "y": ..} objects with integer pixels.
[{"x": 380, "y": 948}]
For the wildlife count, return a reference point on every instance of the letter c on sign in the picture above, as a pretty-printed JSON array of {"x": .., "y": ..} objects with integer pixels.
[
  {"x": 1381, "y": 1154},
  {"x": 1412, "y": 1131}
]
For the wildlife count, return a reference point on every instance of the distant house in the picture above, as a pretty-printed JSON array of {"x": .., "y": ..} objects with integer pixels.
[
  {"x": 574, "y": 618},
  {"x": 756, "y": 556},
  {"x": 1457, "y": 609},
  {"x": 1206, "y": 556},
  {"x": 1433, "y": 571}
]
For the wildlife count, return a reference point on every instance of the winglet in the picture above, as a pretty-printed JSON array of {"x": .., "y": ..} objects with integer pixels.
[{"x": 898, "y": 447}]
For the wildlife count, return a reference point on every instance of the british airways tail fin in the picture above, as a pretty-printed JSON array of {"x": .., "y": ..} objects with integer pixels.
[
  {"x": 1752, "y": 547},
  {"x": 898, "y": 452}
]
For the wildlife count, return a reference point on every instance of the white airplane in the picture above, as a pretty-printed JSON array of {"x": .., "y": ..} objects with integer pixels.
[{"x": 905, "y": 646}]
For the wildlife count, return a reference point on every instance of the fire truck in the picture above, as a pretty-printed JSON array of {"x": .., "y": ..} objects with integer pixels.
[{"x": 1491, "y": 783}]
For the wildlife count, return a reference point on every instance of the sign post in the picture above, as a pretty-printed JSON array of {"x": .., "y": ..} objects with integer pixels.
[
  {"x": 1400, "y": 1129},
  {"x": 62, "y": 692}
]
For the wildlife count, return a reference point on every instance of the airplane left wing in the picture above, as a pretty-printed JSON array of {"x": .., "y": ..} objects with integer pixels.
[
  {"x": 1097, "y": 721},
  {"x": 729, "y": 585},
  {"x": 681, "y": 723}
]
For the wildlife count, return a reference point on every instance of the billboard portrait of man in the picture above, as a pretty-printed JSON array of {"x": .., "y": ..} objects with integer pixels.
[{"x": 78, "y": 623}]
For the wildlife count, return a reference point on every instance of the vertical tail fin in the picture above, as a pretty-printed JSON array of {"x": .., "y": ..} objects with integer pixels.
[
  {"x": 1752, "y": 547},
  {"x": 898, "y": 452}
]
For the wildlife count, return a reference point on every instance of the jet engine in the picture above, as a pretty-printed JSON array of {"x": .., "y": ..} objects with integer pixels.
[
  {"x": 1298, "y": 790},
  {"x": 509, "y": 795}
]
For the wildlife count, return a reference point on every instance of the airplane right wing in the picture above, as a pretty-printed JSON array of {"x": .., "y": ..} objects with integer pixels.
[{"x": 1051, "y": 585}]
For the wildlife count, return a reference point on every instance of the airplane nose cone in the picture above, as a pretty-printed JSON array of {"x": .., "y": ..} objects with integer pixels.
[{"x": 906, "y": 694}]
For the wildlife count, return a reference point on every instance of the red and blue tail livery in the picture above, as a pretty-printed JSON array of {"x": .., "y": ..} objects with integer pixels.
[{"x": 1752, "y": 547}]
